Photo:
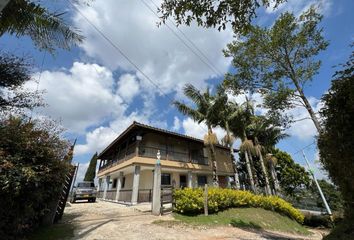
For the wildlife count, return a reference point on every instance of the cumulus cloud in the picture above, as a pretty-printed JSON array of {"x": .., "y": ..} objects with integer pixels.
[
  {"x": 176, "y": 124},
  {"x": 299, "y": 6},
  {"x": 192, "y": 128},
  {"x": 79, "y": 96},
  {"x": 157, "y": 51},
  {"x": 128, "y": 87}
]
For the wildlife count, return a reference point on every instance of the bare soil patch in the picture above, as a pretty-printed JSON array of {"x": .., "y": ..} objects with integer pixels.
[{"x": 106, "y": 220}]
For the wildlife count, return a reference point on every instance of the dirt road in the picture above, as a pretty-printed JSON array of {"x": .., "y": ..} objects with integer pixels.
[{"x": 105, "y": 220}]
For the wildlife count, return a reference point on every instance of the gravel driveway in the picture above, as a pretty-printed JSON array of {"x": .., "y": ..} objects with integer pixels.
[{"x": 106, "y": 220}]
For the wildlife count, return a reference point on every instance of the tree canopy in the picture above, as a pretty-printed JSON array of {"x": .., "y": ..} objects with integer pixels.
[
  {"x": 216, "y": 14},
  {"x": 337, "y": 140},
  {"x": 91, "y": 170},
  {"x": 32, "y": 172},
  {"x": 14, "y": 73}
]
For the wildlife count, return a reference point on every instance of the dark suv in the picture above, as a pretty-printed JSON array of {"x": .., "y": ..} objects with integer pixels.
[{"x": 84, "y": 191}]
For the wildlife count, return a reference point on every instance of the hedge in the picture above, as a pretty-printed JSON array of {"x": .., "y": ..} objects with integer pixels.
[{"x": 191, "y": 201}]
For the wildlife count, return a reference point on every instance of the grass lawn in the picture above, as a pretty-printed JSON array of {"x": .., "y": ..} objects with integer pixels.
[{"x": 255, "y": 218}]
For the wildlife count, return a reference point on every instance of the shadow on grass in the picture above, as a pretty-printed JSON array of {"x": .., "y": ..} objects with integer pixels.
[{"x": 242, "y": 224}]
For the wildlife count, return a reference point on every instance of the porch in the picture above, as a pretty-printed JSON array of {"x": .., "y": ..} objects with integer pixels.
[{"x": 133, "y": 184}]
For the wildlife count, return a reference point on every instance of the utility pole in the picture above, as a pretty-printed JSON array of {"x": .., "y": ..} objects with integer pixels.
[{"x": 318, "y": 186}]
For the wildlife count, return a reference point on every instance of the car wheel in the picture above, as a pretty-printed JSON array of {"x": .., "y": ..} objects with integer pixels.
[{"x": 94, "y": 200}]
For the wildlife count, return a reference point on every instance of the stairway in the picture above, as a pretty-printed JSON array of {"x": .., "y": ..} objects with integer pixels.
[{"x": 65, "y": 193}]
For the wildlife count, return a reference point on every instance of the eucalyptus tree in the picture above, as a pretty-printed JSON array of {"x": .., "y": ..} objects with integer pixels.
[
  {"x": 46, "y": 28},
  {"x": 279, "y": 61},
  {"x": 207, "y": 108}
]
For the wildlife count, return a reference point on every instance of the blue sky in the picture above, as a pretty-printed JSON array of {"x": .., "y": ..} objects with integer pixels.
[{"x": 96, "y": 93}]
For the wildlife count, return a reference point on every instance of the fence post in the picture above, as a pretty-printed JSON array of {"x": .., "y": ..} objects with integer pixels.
[{"x": 206, "y": 200}]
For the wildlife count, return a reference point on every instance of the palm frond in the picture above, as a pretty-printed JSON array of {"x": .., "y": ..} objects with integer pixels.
[
  {"x": 194, "y": 94},
  {"x": 48, "y": 30},
  {"x": 188, "y": 111}
]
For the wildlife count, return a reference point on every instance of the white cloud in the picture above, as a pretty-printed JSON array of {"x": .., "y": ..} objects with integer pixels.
[
  {"x": 101, "y": 137},
  {"x": 81, "y": 96},
  {"x": 128, "y": 87},
  {"x": 193, "y": 129},
  {"x": 299, "y": 6},
  {"x": 157, "y": 51},
  {"x": 81, "y": 172},
  {"x": 304, "y": 129},
  {"x": 176, "y": 124}
]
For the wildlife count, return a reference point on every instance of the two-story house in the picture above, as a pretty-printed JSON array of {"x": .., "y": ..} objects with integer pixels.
[{"x": 126, "y": 166}]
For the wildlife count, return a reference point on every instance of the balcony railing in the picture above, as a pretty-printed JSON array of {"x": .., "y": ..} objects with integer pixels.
[{"x": 151, "y": 152}]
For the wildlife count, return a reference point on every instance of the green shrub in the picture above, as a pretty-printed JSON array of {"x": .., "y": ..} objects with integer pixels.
[{"x": 191, "y": 201}]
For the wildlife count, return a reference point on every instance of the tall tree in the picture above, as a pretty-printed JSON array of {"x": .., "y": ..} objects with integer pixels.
[
  {"x": 14, "y": 73},
  {"x": 216, "y": 14},
  {"x": 226, "y": 118},
  {"x": 241, "y": 118},
  {"x": 279, "y": 61},
  {"x": 337, "y": 140},
  {"x": 47, "y": 29},
  {"x": 91, "y": 170},
  {"x": 207, "y": 108},
  {"x": 291, "y": 175}
]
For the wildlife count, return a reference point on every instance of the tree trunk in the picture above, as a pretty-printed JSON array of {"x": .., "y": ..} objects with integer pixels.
[
  {"x": 234, "y": 163},
  {"x": 274, "y": 177},
  {"x": 265, "y": 174},
  {"x": 253, "y": 171},
  {"x": 213, "y": 159},
  {"x": 303, "y": 97},
  {"x": 249, "y": 171}
]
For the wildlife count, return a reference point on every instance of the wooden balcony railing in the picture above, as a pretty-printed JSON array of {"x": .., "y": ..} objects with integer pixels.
[{"x": 151, "y": 152}]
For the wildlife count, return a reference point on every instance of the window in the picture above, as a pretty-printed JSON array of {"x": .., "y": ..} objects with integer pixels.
[
  {"x": 202, "y": 180},
  {"x": 123, "y": 182},
  {"x": 165, "y": 179},
  {"x": 114, "y": 185},
  {"x": 85, "y": 184}
]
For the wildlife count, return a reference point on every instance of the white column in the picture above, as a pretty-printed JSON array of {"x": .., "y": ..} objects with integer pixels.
[
  {"x": 156, "y": 191},
  {"x": 99, "y": 184},
  {"x": 106, "y": 185},
  {"x": 189, "y": 179},
  {"x": 119, "y": 185},
  {"x": 135, "y": 190}
]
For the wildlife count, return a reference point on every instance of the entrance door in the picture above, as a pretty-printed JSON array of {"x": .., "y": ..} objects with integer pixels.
[
  {"x": 222, "y": 181},
  {"x": 182, "y": 181}
]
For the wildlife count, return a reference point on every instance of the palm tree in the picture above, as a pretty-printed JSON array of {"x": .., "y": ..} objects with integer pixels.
[
  {"x": 207, "y": 110},
  {"x": 266, "y": 136},
  {"x": 272, "y": 161},
  {"x": 226, "y": 117},
  {"x": 240, "y": 119},
  {"x": 258, "y": 127},
  {"x": 47, "y": 29}
]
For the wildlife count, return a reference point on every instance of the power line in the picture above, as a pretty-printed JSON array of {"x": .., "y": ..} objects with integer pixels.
[
  {"x": 117, "y": 48},
  {"x": 184, "y": 42},
  {"x": 192, "y": 43},
  {"x": 300, "y": 150}
]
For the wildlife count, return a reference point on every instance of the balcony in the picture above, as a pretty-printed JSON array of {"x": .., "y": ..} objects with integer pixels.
[{"x": 151, "y": 152}]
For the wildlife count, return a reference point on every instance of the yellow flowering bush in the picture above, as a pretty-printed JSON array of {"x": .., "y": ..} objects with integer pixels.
[{"x": 191, "y": 201}]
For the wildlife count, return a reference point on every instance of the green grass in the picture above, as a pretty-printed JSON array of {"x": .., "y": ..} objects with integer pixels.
[{"x": 255, "y": 218}]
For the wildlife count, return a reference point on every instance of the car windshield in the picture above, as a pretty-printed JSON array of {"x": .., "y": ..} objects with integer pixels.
[{"x": 85, "y": 185}]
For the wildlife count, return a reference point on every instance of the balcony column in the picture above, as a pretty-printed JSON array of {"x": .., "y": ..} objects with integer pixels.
[
  {"x": 106, "y": 185},
  {"x": 99, "y": 184},
  {"x": 135, "y": 191},
  {"x": 119, "y": 185},
  {"x": 189, "y": 179}
]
